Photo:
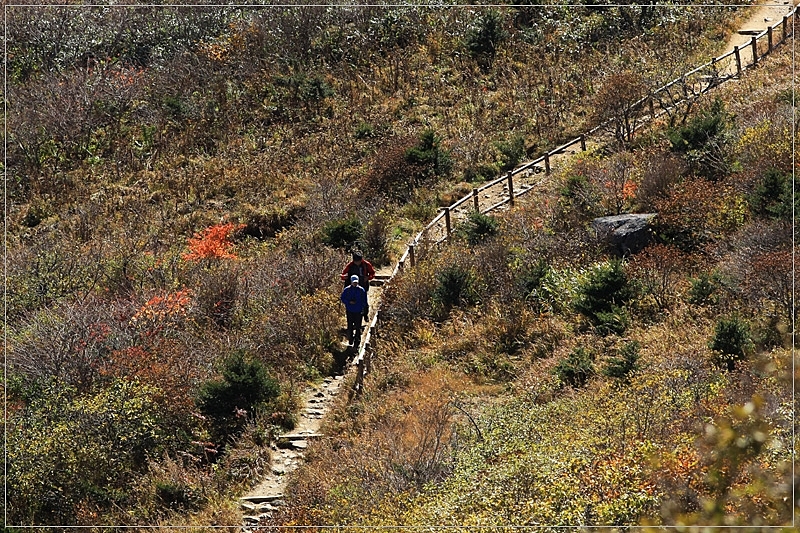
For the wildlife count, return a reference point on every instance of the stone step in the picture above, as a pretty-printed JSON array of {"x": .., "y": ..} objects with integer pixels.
[
  {"x": 274, "y": 499},
  {"x": 299, "y": 436}
]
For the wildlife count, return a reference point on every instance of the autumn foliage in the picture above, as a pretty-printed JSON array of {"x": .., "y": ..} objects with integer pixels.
[{"x": 213, "y": 243}]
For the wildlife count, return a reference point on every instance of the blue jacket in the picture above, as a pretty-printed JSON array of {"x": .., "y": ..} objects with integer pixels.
[{"x": 354, "y": 299}]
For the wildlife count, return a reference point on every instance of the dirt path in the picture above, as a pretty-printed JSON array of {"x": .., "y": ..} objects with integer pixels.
[
  {"x": 766, "y": 13},
  {"x": 288, "y": 450}
]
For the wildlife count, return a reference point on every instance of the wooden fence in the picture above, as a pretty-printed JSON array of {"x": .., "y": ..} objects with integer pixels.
[{"x": 664, "y": 100}]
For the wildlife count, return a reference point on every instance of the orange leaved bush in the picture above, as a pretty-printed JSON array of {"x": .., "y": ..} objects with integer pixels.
[{"x": 213, "y": 242}]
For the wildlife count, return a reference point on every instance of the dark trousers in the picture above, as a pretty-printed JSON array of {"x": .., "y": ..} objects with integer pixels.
[{"x": 354, "y": 327}]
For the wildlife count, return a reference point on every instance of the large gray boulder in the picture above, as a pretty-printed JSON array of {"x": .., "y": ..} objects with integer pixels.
[{"x": 627, "y": 234}]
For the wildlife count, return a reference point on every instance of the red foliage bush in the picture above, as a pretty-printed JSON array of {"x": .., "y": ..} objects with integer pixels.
[{"x": 213, "y": 242}]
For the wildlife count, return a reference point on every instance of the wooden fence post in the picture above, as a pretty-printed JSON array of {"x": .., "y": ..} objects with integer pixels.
[
  {"x": 783, "y": 27},
  {"x": 754, "y": 44},
  {"x": 511, "y": 187},
  {"x": 738, "y": 61},
  {"x": 547, "y": 163},
  {"x": 367, "y": 357},
  {"x": 652, "y": 104},
  {"x": 411, "y": 257},
  {"x": 769, "y": 39},
  {"x": 475, "y": 199},
  {"x": 447, "y": 220},
  {"x": 358, "y": 386},
  {"x": 583, "y": 140}
]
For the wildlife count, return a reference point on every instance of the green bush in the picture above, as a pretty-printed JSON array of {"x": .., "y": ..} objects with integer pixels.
[
  {"x": 342, "y": 233},
  {"x": 484, "y": 38},
  {"x": 703, "y": 141},
  {"x": 731, "y": 342},
  {"x": 625, "y": 363},
  {"x": 532, "y": 277},
  {"x": 613, "y": 322},
  {"x": 601, "y": 295},
  {"x": 478, "y": 227},
  {"x": 704, "y": 289},
  {"x": 455, "y": 285},
  {"x": 245, "y": 385},
  {"x": 364, "y": 130},
  {"x": 481, "y": 173},
  {"x": 511, "y": 152},
  {"x": 773, "y": 196},
  {"x": 428, "y": 154},
  {"x": 576, "y": 369}
]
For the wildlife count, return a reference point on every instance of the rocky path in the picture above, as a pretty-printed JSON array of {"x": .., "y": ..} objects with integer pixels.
[{"x": 287, "y": 452}]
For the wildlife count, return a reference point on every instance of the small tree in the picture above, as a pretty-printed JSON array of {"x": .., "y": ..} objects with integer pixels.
[
  {"x": 703, "y": 142},
  {"x": 617, "y": 104},
  {"x": 342, "y": 233},
  {"x": 625, "y": 363},
  {"x": 731, "y": 342},
  {"x": 456, "y": 285},
  {"x": 484, "y": 38},
  {"x": 576, "y": 369},
  {"x": 245, "y": 386},
  {"x": 478, "y": 227},
  {"x": 773, "y": 195},
  {"x": 601, "y": 295}
]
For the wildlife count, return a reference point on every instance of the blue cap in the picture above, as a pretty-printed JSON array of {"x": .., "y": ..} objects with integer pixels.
[{"x": 353, "y": 278}]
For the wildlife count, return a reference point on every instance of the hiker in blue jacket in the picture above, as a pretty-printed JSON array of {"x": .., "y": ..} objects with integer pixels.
[{"x": 354, "y": 298}]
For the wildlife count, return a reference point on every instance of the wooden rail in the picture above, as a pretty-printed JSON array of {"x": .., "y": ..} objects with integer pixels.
[{"x": 692, "y": 84}]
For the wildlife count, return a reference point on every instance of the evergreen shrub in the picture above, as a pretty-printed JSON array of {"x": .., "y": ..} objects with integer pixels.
[
  {"x": 731, "y": 342},
  {"x": 245, "y": 385},
  {"x": 478, "y": 227},
  {"x": 456, "y": 285},
  {"x": 342, "y": 233},
  {"x": 576, "y": 369}
]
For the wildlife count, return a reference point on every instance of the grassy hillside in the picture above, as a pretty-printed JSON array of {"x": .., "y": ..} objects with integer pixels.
[{"x": 184, "y": 185}]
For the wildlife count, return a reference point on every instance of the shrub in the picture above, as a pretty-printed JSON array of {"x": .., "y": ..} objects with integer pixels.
[
  {"x": 703, "y": 142},
  {"x": 214, "y": 242},
  {"x": 511, "y": 152},
  {"x": 533, "y": 276},
  {"x": 480, "y": 173},
  {"x": 456, "y": 285},
  {"x": 773, "y": 195},
  {"x": 245, "y": 386},
  {"x": 625, "y": 363},
  {"x": 429, "y": 154},
  {"x": 704, "y": 288},
  {"x": 364, "y": 130},
  {"x": 614, "y": 321},
  {"x": 601, "y": 294},
  {"x": 576, "y": 369},
  {"x": 216, "y": 295},
  {"x": 484, "y": 38},
  {"x": 658, "y": 271},
  {"x": 478, "y": 227},
  {"x": 376, "y": 238},
  {"x": 342, "y": 233},
  {"x": 615, "y": 104},
  {"x": 402, "y": 167},
  {"x": 731, "y": 342},
  {"x": 68, "y": 452}
]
